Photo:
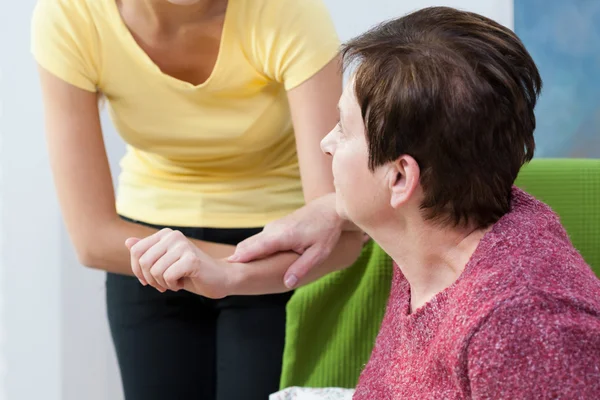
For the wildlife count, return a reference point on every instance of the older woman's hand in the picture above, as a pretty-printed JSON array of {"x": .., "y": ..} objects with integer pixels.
[{"x": 312, "y": 231}]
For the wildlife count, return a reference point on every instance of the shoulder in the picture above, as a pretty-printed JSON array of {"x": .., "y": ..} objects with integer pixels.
[
  {"x": 64, "y": 40},
  {"x": 550, "y": 274},
  {"x": 293, "y": 9},
  {"x": 526, "y": 285},
  {"x": 67, "y": 19},
  {"x": 68, "y": 11},
  {"x": 280, "y": 12},
  {"x": 532, "y": 324},
  {"x": 283, "y": 22},
  {"x": 526, "y": 254},
  {"x": 543, "y": 310},
  {"x": 509, "y": 294},
  {"x": 287, "y": 40}
]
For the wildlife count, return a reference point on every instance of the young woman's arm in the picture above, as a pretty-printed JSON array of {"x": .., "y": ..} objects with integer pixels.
[
  {"x": 316, "y": 229},
  {"x": 173, "y": 262},
  {"x": 313, "y": 106},
  {"x": 167, "y": 260},
  {"x": 83, "y": 180}
]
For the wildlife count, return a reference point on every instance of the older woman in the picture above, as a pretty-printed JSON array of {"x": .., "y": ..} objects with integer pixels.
[{"x": 489, "y": 299}]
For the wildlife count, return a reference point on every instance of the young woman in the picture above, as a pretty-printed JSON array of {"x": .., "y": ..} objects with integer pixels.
[{"x": 223, "y": 105}]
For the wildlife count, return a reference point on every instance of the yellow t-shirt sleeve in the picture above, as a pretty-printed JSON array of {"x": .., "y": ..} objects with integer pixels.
[
  {"x": 303, "y": 42},
  {"x": 62, "y": 41}
]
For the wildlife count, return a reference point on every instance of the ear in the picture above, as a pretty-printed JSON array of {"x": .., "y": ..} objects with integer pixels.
[{"x": 404, "y": 180}]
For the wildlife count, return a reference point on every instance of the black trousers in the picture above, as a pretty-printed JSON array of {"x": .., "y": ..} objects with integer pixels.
[{"x": 178, "y": 345}]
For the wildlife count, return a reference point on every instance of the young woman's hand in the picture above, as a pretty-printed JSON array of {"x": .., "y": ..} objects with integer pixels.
[{"x": 167, "y": 260}]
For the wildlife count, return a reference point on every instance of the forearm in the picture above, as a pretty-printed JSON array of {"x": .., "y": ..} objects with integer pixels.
[
  {"x": 267, "y": 275},
  {"x": 105, "y": 248}
]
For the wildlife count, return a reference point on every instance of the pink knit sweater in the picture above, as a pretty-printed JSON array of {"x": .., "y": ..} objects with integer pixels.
[{"x": 521, "y": 322}]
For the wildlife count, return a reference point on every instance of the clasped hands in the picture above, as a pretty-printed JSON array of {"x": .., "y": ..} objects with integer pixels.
[{"x": 167, "y": 260}]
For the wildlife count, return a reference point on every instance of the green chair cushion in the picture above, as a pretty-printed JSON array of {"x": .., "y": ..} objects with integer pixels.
[
  {"x": 571, "y": 187},
  {"x": 333, "y": 323}
]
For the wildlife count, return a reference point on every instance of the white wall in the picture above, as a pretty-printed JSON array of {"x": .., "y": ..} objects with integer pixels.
[
  {"x": 31, "y": 243},
  {"x": 88, "y": 360},
  {"x": 54, "y": 339}
]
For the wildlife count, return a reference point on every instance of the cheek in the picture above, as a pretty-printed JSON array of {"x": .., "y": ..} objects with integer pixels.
[
  {"x": 351, "y": 174},
  {"x": 343, "y": 185},
  {"x": 360, "y": 194},
  {"x": 342, "y": 168}
]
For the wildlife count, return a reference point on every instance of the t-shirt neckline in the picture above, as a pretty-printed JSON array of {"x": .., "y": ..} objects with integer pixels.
[{"x": 132, "y": 43}]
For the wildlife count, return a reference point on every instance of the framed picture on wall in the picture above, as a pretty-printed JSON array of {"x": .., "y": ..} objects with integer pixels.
[{"x": 563, "y": 38}]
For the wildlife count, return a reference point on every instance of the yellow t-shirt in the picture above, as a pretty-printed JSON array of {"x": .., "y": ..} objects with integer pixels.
[{"x": 221, "y": 154}]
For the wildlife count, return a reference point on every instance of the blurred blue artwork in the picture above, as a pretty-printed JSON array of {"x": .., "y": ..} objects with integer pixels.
[{"x": 563, "y": 37}]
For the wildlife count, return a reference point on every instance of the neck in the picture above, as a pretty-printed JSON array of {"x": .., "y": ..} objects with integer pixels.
[
  {"x": 430, "y": 258},
  {"x": 164, "y": 14}
]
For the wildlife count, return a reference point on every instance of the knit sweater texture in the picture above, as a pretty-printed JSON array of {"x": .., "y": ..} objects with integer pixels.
[{"x": 521, "y": 322}]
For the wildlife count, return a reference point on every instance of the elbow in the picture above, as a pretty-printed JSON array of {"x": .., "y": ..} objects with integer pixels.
[
  {"x": 86, "y": 257},
  {"x": 90, "y": 244},
  {"x": 87, "y": 260},
  {"x": 87, "y": 253}
]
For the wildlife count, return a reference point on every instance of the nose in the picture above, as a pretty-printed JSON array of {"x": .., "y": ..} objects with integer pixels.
[{"x": 327, "y": 144}]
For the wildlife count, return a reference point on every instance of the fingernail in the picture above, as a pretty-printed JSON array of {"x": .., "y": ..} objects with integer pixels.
[
  {"x": 291, "y": 281},
  {"x": 233, "y": 258}
]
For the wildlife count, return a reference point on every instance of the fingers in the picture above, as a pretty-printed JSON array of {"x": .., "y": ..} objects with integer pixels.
[
  {"x": 135, "y": 266},
  {"x": 163, "y": 259},
  {"x": 258, "y": 246},
  {"x": 148, "y": 260},
  {"x": 144, "y": 253},
  {"x": 175, "y": 276},
  {"x": 137, "y": 248},
  {"x": 158, "y": 268},
  {"x": 312, "y": 257},
  {"x": 138, "y": 252},
  {"x": 131, "y": 241}
]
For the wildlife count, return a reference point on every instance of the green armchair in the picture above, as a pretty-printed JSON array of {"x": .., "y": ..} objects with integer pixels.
[{"x": 571, "y": 187}]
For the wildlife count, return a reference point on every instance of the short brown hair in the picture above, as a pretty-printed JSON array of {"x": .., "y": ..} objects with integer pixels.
[{"x": 456, "y": 91}]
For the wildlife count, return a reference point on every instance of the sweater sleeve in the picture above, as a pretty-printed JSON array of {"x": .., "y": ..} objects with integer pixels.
[{"x": 539, "y": 348}]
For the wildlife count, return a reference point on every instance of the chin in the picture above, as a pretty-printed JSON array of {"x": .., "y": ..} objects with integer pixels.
[{"x": 341, "y": 211}]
